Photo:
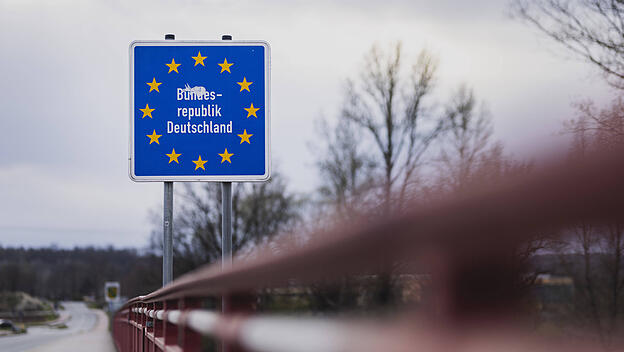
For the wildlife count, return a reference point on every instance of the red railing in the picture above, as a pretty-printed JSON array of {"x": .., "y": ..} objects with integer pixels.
[{"x": 464, "y": 244}]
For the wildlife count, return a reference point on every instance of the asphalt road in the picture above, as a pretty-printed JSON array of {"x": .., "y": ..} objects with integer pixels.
[{"x": 85, "y": 326}]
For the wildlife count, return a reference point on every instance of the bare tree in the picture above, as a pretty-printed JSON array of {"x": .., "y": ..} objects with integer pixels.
[
  {"x": 594, "y": 31},
  {"x": 593, "y": 254},
  {"x": 591, "y": 29},
  {"x": 387, "y": 107},
  {"x": 260, "y": 210},
  {"x": 467, "y": 146},
  {"x": 596, "y": 128},
  {"x": 379, "y": 146},
  {"x": 346, "y": 171},
  {"x": 469, "y": 156},
  {"x": 468, "y": 152},
  {"x": 613, "y": 261}
]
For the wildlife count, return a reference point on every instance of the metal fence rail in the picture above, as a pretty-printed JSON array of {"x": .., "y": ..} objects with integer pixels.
[{"x": 464, "y": 242}]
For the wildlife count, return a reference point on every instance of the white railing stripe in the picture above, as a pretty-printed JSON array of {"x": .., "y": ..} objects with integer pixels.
[
  {"x": 292, "y": 335},
  {"x": 266, "y": 334},
  {"x": 202, "y": 321},
  {"x": 173, "y": 316}
]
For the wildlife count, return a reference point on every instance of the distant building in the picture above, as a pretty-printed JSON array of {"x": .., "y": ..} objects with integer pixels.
[{"x": 554, "y": 294}]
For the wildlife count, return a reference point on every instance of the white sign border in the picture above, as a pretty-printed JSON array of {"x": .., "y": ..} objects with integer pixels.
[{"x": 267, "y": 113}]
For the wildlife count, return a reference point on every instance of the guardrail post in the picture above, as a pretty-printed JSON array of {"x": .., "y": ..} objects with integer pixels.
[
  {"x": 134, "y": 338},
  {"x": 143, "y": 320},
  {"x": 137, "y": 329},
  {"x": 238, "y": 303},
  {"x": 170, "y": 331},
  {"x": 158, "y": 326},
  {"x": 479, "y": 285},
  {"x": 149, "y": 329},
  {"x": 130, "y": 344},
  {"x": 127, "y": 331},
  {"x": 189, "y": 339}
]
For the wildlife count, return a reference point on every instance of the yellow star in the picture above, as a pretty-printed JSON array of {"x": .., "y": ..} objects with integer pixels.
[
  {"x": 199, "y": 60},
  {"x": 154, "y": 85},
  {"x": 200, "y": 163},
  {"x": 225, "y": 66},
  {"x": 173, "y": 66},
  {"x": 251, "y": 111},
  {"x": 173, "y": 156},
  {"x": 147, "y": 111},
  {"x": 244, "y": 84},
  {"x": 225, "y": 156},
  {"x": 154, "y": 137},
  {"x": 245, "y": 137}
]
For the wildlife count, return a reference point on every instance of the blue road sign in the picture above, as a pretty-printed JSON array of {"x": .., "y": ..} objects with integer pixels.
[{"x": 199, "y": 111}]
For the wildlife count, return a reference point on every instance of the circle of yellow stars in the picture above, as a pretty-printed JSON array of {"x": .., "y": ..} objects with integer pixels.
[{"x": 199, "y": 60}]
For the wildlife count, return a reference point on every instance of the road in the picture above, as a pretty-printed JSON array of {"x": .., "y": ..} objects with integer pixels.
[{"x": 85, "y": 327}]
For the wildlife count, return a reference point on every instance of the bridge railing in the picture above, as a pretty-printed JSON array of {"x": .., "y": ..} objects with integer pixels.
[{"x": 464, "y": 243}]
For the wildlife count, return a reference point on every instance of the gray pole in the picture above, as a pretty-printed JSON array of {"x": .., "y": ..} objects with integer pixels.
[
  {"x": 226, "y": 207},
  {"x": 167, "y": 276},
  {"x": 168, "y": 234},
  {"x": 226, "y": 223},
  {"x": 226, "y": 233},
  {"x": 226, "y": 243}
]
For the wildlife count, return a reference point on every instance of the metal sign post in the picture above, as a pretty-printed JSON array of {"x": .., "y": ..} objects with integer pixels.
[
  {"x": 226, "y": 214},
  {"x": 167, "y": 268},
  {"x": 168, "y": 234},
  {"x": 226, "y": 231}
]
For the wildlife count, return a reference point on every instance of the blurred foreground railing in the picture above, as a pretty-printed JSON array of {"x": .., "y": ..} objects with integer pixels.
[{"x": 465, "y": 244}]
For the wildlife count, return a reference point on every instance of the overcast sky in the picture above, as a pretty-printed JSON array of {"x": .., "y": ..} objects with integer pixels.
[{"x": 64, "y": 92}]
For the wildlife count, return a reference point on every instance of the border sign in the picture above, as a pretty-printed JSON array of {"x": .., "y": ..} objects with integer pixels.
[{"x": 199, "y": 111}]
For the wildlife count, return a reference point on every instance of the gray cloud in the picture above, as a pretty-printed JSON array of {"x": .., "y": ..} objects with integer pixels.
[{"x": 64, "y": 92}]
